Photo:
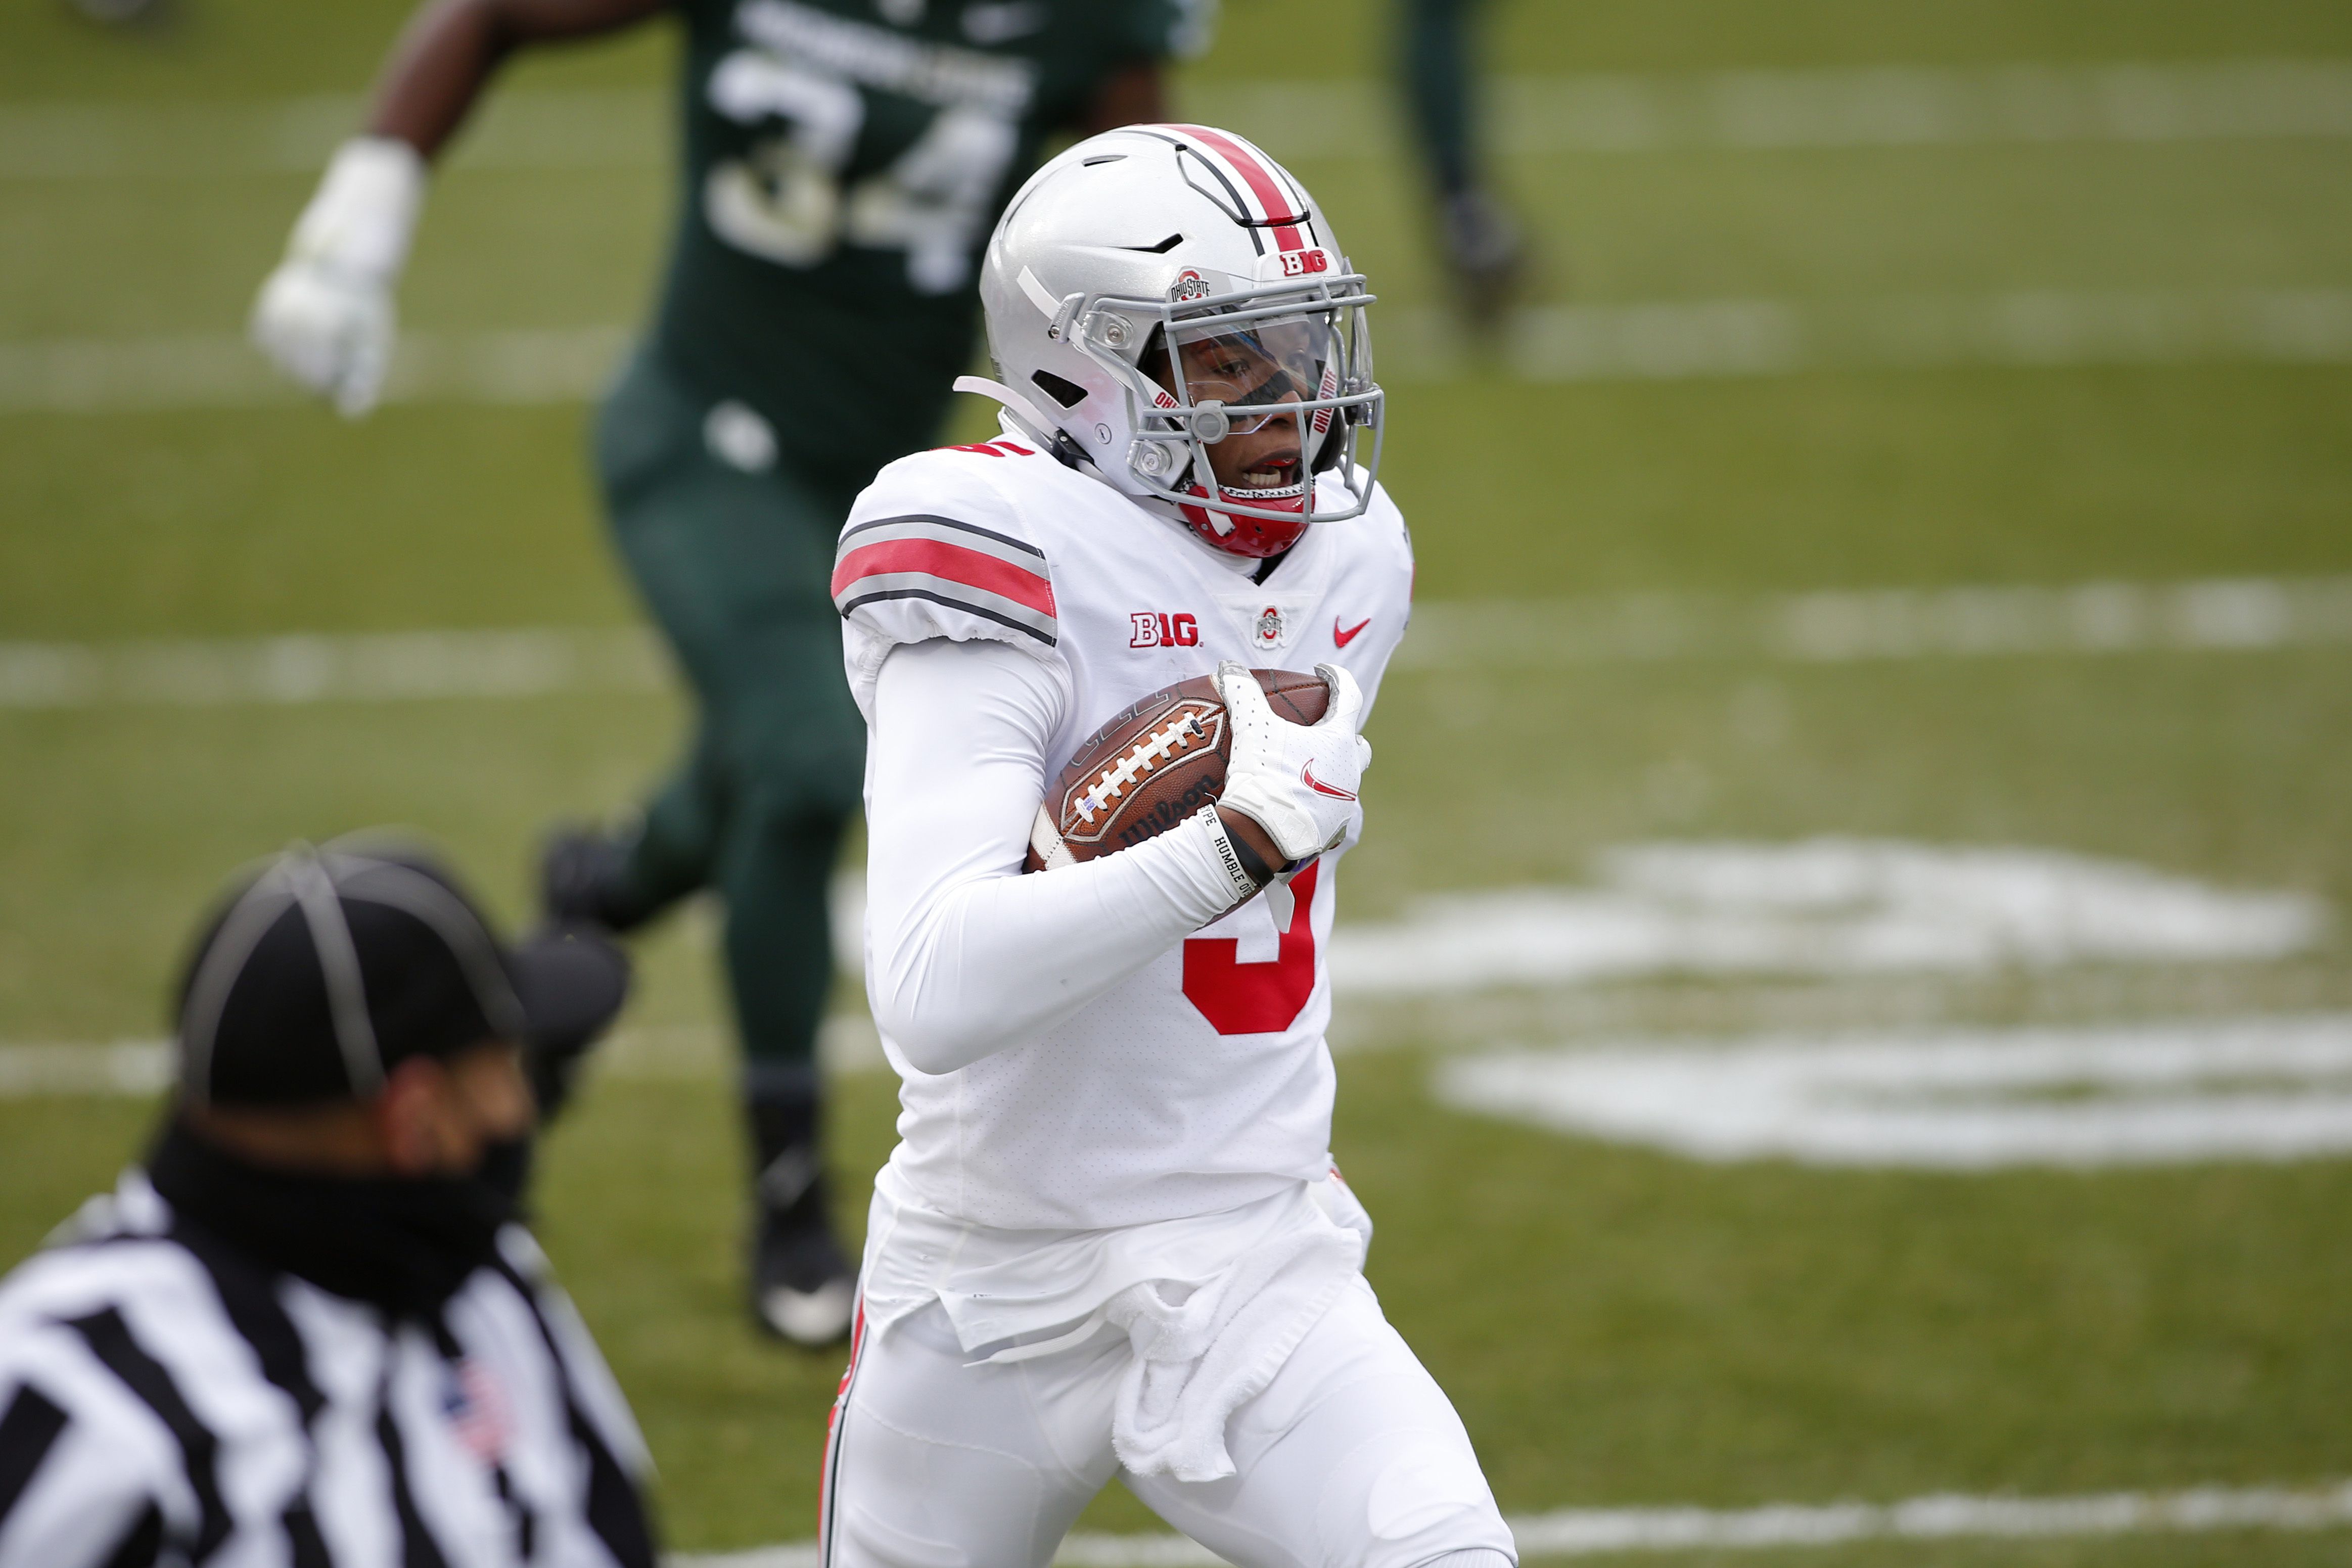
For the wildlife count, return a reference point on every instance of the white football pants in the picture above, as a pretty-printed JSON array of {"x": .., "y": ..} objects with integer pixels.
[{"x": 1351, "y": 1457}]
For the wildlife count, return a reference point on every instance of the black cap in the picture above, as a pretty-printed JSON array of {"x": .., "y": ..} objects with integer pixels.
[{"x": 328, "y": 967}]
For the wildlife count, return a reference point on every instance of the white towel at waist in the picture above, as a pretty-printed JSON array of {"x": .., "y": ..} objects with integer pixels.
[
  {"x": 1212, "y": 1305},
  {"x": 1198, "y": 1359}
]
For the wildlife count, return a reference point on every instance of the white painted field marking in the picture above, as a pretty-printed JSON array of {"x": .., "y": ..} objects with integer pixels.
[
  {"x": 1892, "y": 106},
  {"x": 1869, "y": 106},
  {"x": 382, "y": 666},
  {"x": 1843, "y": 626},
  {"x": 2218, "y": 616},
  {"x": 1582, "y": 1531},
  {"x": 1825, "y": 906},
  {"x": 2259, "y": 1089},
  {"x": 1670, "y": 341},
  {"x": 1576, "y": 1531},
  {"x": 221, "y": 370},
  {"x": 2043, "y": 329},
  {"x": 86, "y": 139},
  {"x": 1659, "y": 340},
  {"x": 847, "y": 1043},
  {"x": 133, "y": 1068}
]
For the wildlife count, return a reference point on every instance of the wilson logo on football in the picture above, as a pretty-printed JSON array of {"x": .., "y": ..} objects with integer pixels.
[
  {"x": 1299, "y": 263},
  {"x": 1153, "y": 630}
]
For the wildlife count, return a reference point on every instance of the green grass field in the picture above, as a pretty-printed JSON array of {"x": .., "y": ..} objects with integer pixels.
[{"x": 1619, "y": 1327}]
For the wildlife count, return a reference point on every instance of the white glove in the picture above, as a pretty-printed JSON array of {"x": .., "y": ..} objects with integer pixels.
[
  {"x": 1298, "y": 782},
  {"x": 326, "y": 315}
]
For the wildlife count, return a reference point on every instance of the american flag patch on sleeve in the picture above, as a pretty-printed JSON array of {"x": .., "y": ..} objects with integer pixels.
[{"x": 956, "y": 564}]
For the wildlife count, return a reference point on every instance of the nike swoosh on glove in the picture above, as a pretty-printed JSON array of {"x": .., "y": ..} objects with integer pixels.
[
  {"x": 1298, "y": 782},
  {"x": 326, "y": 316}
]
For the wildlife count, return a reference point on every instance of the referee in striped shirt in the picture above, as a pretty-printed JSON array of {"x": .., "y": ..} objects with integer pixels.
[{"x": 309, "y": 1331}]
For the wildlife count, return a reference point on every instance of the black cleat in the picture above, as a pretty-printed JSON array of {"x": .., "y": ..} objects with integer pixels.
[
  {"x": 1484, "y": 252},
  {"x": 583, "y": 879},
  {"x": 802, "y": 1289}
]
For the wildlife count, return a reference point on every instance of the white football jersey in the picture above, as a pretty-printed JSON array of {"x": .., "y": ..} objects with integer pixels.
[{"x": 1202, "y": 1081}]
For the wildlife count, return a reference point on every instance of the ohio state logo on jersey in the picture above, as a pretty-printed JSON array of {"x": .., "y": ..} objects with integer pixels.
[
  {"x": 1269, "y": 631},
  {"x": 1154, "y": 628}
]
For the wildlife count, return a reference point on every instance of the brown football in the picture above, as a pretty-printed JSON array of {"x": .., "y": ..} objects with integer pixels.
[{"x": 1153, "y": 766}]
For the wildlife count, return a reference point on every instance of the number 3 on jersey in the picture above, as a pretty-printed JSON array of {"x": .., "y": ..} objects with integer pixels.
[
  {"x": 782, "y": 200},
  {"x": 1239, "y": 998}
]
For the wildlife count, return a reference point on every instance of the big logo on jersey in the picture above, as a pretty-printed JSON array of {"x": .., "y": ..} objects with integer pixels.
[
  {"x": 1150, "y": 629},
  {"x": 1239, "y": 998}
]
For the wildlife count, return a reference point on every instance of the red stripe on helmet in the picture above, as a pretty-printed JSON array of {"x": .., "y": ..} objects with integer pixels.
[{"x": 1259, "y": 176}]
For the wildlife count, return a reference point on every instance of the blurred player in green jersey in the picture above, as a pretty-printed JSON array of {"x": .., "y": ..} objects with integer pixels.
[{"x": 844, "y": 161}]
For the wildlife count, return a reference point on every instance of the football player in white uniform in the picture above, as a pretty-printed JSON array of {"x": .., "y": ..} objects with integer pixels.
[{"x": 1111, "y": 1240}]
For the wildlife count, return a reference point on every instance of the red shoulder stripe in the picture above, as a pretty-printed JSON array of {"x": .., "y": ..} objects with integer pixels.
[{"x": 947, "y": 563}]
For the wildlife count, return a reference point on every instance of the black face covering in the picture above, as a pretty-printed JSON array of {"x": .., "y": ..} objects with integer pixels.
[{"x": 402, "y": 1244}]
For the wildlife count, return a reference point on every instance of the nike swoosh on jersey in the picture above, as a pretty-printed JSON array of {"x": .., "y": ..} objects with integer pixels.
[
  {"x": 1342, "y": 638},
  {"x": 1318, "y": 786}
]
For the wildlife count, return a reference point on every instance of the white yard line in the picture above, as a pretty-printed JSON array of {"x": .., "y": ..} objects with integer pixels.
[
  {"x": 2042, "y": 328},
  {"x": 86, "y": 139},
  {"x": 847, "y": 1043},
  {"x": 1847, "y": 626},
  {"x": 1835, "y": 626},
  {"x": 1895, "y": 106},
  {"x": 1584, "y": 1532},
  {"x": 381, "y": 667},
  {"x": 221, "y": 370},
  {"x": 1892, "y": 106},
  {"x": 1660, "y": 340},
  {"x": 134, "y": 1067}
]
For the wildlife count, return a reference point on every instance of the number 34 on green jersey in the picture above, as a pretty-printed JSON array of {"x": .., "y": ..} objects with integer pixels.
[{"x": 804, "y": 76}]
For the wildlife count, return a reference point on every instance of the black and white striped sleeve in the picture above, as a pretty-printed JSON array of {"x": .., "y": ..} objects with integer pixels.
[
  {"x": 164, "y": 1399},
  {"x": 91, "y": 1472}
]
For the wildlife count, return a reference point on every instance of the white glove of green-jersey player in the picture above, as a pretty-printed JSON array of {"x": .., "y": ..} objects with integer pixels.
[
  {"x": 1298, "y": 782},
  {"x": 326, "y": 316}
]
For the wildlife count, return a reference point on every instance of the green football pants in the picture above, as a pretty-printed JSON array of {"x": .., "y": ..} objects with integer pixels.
[{"x": 734, "y": 561}]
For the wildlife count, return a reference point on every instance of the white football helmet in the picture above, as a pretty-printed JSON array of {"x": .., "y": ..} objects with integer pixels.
[{"x": 1184, "y": 251}]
